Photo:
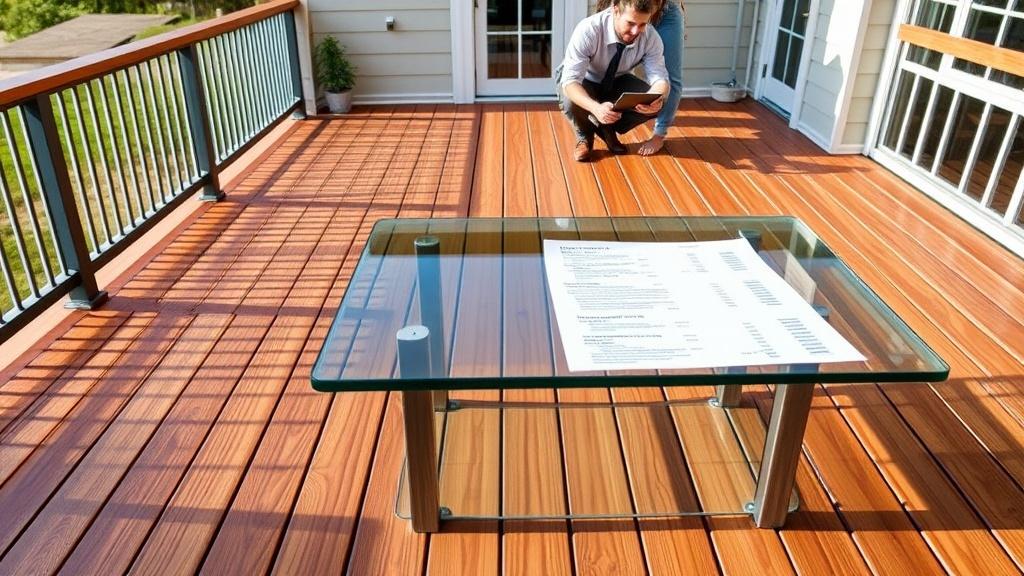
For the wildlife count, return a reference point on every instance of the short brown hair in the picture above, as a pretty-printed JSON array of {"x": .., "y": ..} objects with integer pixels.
[{"x": 645, "y": 6}]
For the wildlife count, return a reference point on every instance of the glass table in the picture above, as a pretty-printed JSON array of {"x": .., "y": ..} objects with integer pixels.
[{"x": 438, "y": 306}]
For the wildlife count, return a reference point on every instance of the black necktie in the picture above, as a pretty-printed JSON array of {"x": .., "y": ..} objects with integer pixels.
[{"x": 613, "y": 67}]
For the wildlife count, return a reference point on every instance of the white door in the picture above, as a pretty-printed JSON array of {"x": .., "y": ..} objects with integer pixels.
[
  {"x": 519, "y": 43},
  {"x": 787, "y": 30}
]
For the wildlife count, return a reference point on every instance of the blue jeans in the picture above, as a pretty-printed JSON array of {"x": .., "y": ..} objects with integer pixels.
[{"x": 670, "y": 28}]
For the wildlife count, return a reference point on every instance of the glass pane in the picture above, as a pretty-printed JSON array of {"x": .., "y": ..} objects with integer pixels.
[
  {"x": 803, "y": 12},
  {"x": 998, "y": 122},
  {"x": 1010, "y": 174},
  {"x": 537, "y": 15},
  {"x": 537, "y": 56},
  {"x": 965, "y": 127},
  {"x": 502, "y": 15},
  {"x": 983, "y": 26},
  {"x": 897, "y": 107},
  {"x": 935, "y": 15},
  {"x": 793, "y": 65},
  {"x": 503, "y": 56},
  {"x": 938, "y": 124},
  {"x": 788, "y": 11},
  {"x": 1014, "y": 40},
  {"x": 779, "y": 64},
  {"x": 924, "y": 94},
  {"x": 993, "y": 3}
]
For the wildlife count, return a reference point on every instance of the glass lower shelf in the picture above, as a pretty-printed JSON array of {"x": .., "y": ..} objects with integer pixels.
[{"x": 545, "y": 460}]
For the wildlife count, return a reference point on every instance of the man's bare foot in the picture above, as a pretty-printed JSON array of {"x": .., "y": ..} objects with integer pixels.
[{"x": 652, "y": 146}]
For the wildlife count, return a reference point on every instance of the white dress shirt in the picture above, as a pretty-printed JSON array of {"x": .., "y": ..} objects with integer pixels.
[{"x": 592, "y": 47}]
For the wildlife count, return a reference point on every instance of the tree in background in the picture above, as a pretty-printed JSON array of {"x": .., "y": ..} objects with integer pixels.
[{"x": 19, "y": 18}]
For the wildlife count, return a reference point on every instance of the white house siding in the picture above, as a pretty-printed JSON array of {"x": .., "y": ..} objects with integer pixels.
[
  {"x": 411, "y": 63},
  {"x": 880, "y": 20},
  {"x": 841, "y": 76}
]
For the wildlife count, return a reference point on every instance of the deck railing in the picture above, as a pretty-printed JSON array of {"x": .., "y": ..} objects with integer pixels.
[{"x": 97, "y": 149}]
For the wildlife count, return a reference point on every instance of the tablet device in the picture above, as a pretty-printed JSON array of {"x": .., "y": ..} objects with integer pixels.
[{"x": 630, "y": 99}]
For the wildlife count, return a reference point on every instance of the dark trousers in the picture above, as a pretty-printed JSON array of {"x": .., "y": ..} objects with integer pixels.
[{"x": 579, "y": 118}]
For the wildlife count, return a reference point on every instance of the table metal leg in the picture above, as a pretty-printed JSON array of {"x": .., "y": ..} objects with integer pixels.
[
  {"x": 777, "y": 475},
  {"x": 420, "y": 443},
  {"x": 421, "y": 458},
  {"x": 729, "y": 395}
]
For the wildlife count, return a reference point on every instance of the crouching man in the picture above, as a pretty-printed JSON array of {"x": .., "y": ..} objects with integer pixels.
[{"x": 596, "y": 71}]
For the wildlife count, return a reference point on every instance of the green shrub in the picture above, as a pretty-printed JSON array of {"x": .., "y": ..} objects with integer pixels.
[
  {"x": 24, "y": 17},
  {"x": 333, "y": 69}
]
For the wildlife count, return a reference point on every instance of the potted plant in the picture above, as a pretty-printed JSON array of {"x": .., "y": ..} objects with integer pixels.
[{"x": 336, "y": 74}]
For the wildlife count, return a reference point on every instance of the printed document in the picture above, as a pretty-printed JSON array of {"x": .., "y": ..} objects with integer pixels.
[{"x": 662, "y": 305}]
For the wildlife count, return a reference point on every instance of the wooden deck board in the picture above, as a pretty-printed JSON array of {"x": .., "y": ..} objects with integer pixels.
[{"x": 176, "y": 426}]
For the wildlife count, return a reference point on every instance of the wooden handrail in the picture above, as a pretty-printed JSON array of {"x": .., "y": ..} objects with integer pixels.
[
  {"x": 52, "y": 78},
  {"x": 981, "y": 53}
]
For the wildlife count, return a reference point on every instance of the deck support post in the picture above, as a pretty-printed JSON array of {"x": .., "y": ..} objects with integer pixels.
[
  {"x": 44, "y": 141},
  {"x": 199, "y": 123},
  {"x": 420, "y": 443}
]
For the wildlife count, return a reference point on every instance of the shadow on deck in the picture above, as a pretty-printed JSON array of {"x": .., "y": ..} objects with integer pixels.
[{"x": 175, "y": 430}]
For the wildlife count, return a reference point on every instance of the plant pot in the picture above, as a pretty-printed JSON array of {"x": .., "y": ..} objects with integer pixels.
[
  {"x": 339, "y": 102},
  {"x": 727, "y": 91}
]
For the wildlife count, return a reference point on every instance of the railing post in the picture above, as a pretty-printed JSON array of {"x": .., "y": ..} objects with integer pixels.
[
  {"x": 293, "y": 61},
  {"x": 44, "y": 142},
  {"x": 199, "y": 122}
]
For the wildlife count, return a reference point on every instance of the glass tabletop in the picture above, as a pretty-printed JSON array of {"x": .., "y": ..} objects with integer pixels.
[{"x": 479, "y": 285}]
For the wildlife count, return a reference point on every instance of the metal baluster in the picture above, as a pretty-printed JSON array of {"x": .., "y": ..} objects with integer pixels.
[
  {"x": 77, "y": 170},
  {"x": 265, "y": 40},
  {"x": 141, "y": 150},
  {"x": 231, "y": 96},
  {"x": 103, "y": 160},
  {"x": 87, "y": 155},
  {"x": 162, "y": 92},
  {"x": 242, "y": 83},
  {"x": 216, "y": 124},
  {"x": 217, "y": 97},
  {"x": 162, "y": 163},
  {"x": 184, "y": 144},
  {"x": 19, "y": 236},
  {"x": 195, "y": 107},
  {"x": 19, "y": 172},
  {"x": 102, "y": 95},
  {"x": 128, "y": 156},
  {"x": 258, "y": 63},
  {"x": 275, "y": 67},
  {"x": 295, "y": 73},
  {"x": 56, "y": 187},
  {"x": 12, "y": 289},
  {"x": 282, "y": 62},
  {"x": 272, "y": 79}
]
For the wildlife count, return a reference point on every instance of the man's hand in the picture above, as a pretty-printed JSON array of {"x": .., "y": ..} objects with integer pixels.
[
  {"x": 604, "y": 114},
  {"x": 652, "y": 108}
]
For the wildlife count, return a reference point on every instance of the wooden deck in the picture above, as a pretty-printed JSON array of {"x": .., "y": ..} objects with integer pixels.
[{"x": 175, "y": 430}]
